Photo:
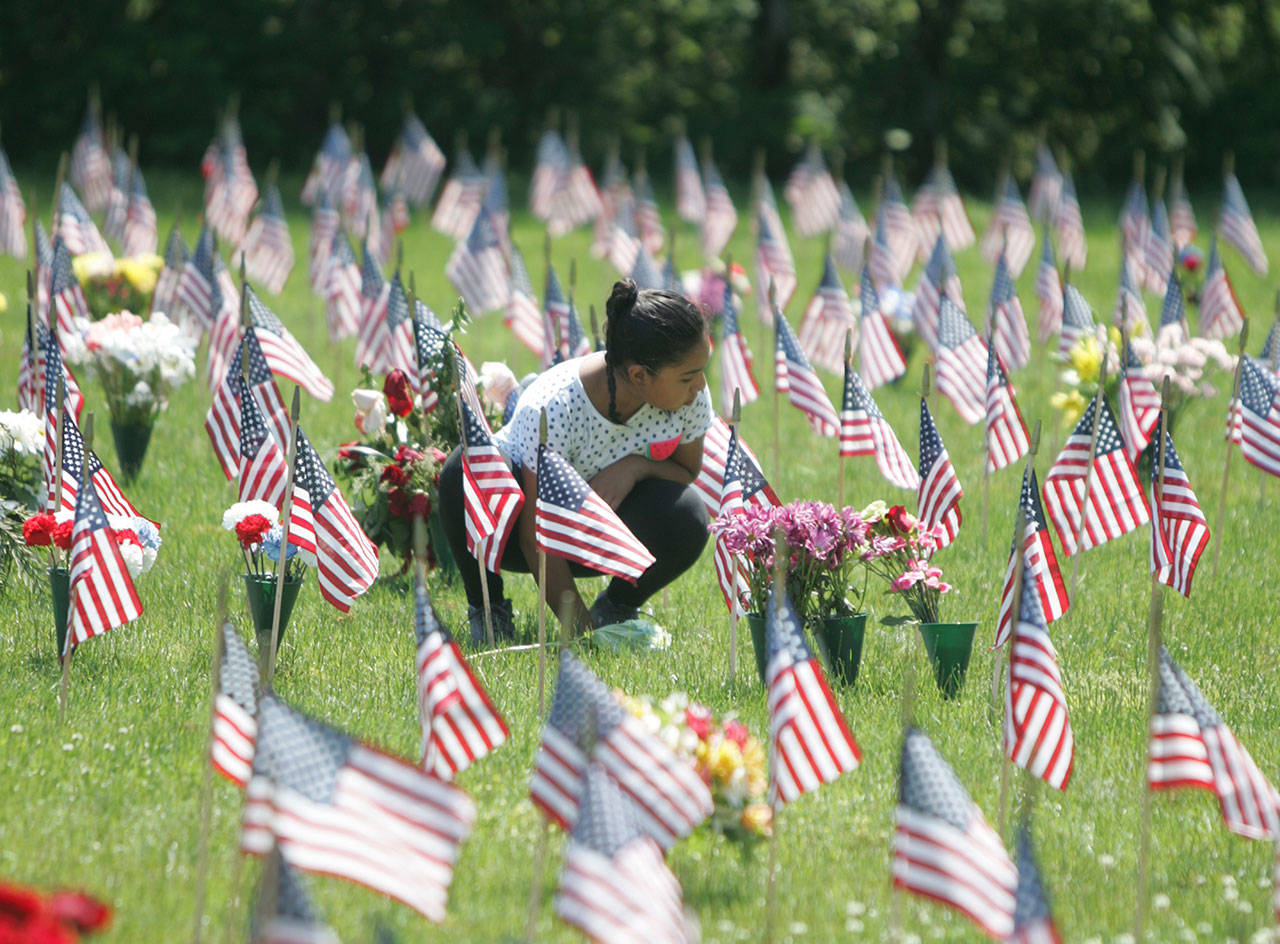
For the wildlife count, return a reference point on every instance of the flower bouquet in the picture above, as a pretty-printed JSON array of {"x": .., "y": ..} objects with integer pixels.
[
  {"x": 1182, "y": 361},
  {"x": 258, "y": 531},
  {"x": 112, "y": 284},
  {"x": 727, "y": 756},
  {"x": 139, "y": 364},
  {"x": 21, "y": 488}
]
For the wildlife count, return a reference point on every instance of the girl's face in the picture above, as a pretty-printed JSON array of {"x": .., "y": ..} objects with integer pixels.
[{"x": 677, "y": 384}]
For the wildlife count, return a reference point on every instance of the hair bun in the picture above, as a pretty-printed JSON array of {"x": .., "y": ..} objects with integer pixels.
[{"x": 622, "y": 299}]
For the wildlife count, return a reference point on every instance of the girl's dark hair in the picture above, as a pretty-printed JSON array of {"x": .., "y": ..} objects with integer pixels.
[{"x": 652, "y": 328}]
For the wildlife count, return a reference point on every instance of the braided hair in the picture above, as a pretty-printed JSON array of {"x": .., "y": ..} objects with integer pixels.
[{"x": 652, "y": 328}]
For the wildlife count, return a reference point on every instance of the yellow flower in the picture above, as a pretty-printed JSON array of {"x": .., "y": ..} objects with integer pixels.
[
  {"x": 92, "y": 265},
  {"x": 140, "y": 275},
  {"x": 758, "y": 818},
  {"x": 4, "y": 303},
  {"x": 1086, "y": 358},
  {"x": 723, "y": 759},
  {"x": 1071, "y": 404}
]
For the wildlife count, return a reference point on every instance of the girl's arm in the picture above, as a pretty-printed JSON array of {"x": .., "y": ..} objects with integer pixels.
[
  {"x": 614, "y": 482},
  {"x": 560, "y": 581}
]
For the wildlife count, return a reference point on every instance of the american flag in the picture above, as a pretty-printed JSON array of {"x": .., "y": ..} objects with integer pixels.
[
  {"x": 1007, "y": 325},
  {"x": 793, "y": 375},
  {"x": 962, "y": 362},
  {"x": 1116, "y": 503},
  {"x": 709, "y": 484},
  {"x": 1237, "y": 226},
  {"x": 102, "y": 594},
  {"x": 493, "y": 496},
  {"x": 576, "y": 199},
  {"x": 79, "y": 465},
  {"x": 335, "y": 806},
  {"x": 615, "y": 886},
  {"x": 1135, "y": 224},
  {"x": 691, "y": 200},
  {"x": 899, "y": 230},
  {"x": 645, "y": 273},
  {"x": 284, "y": 913},
  {"x": 742, "y": 485},
  {"x": 342, "y": 290},
  {"x": 881, "y": 358},
  {"x": 1037, "y": 727},
  {"x": 938, "y": 277},
  {"x": 573, "y": 522},
  {"x": 267, "y": 248},
  {"x": 1010, "y": 230},
  {"x": 478, "y": 269},
  {"x": 1220, "y": 313},
  {"x": 939, "y": 211},
  {"x": 1077, "y": 319},
  {"x": 374, "y": 294},
  {"x": 42, "y": 262},
  {"x": 1040, "y": 563},
  {"x": 615, "y": 191},
  {"x": 555, "y": 323},
  {"x": 495, "y": 202},
  {"x": 1183, "y": 532},
  {"x": 670, "y": 275},
  {"x": 230, "y": 190},
  {"x": 284, "y": 354},
  {"x": 653, "y": 235},
  {"x": 720, "y": 219},
  {"x": 773, "y": 257},
  {"x": 1006, "y": 438},
  {"x": 459, "y": 723},
  {"x": 415, "y": 163},
  {"x": 226, "y": 323},
  {"x": 346, "y": 560},
  {"x": 140, "y": 235},
  {"x": 943, "y": 848},
  {"x": 222, "y": 422},
  {"x": 938, "y": 498},
  {"x": 65, "y": 294},
  {"x": 827, "y": 320},
  {"x": 851, "y": 232},
  {"x": 551, "y": 160},
  {"x": 1131, "y": 309},
  {"x": 1139, "y": 405},
  {"x": 1047, "y": 185},
  {"x": 812, "y": 194},
  {"x": 1191, "y": 746},
  {"x": 263, "y": 472},
  {"x": 90, "y": 169},
  {"x": 587, "y": 724},
  {"x": 176, "y": 255},
  {"x": 573, "y": 340},
  {"x": 234, "y": 726},
  {"x": 880, "y": 259},
  {"x": 1182, "y": 218},
  {"x": 195, "y": 285},
  {"x": 397, "y": 334},
  {"x": 1159, "y": 249},
  {"x": 13, "y": 212},
  {"x": 523, "y": 316},
  {"x": 49, "y": 369},
  {"x": 736, "y": 361},
  {"x": 118, "y": 198},
  {"x": 865, "y": 432},
  {"x": 1069, "y": 223},
  {"x": 329, "y": 162},
  {"x": 460, "y": 198},
  {"x": 1032, "y": 919},
  {"x": 1048, "y": 291},
  {"x": 621, "y": 243},
  {"x": 324, "y": 223},
  {"x": 30, "y": 364},
  {"x": 430, "y": 342}
]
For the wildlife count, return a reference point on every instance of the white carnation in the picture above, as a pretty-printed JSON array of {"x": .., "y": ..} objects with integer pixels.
[
  {"x": 241, "y": 510},
  {"x": 21, "y": 432},
  {"x": 133, "y": 558}
]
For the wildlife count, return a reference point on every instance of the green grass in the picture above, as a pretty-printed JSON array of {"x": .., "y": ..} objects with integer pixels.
[{"x": 109, "y": 800}]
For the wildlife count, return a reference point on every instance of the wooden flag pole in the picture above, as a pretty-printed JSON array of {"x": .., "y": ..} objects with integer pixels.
[
  {"x": 734, "y": 419},
  {"x": 87, "y": 436},
  {"x": 1019, "y": 539},
  {"x": 595, "y": 328},
  {"x": 848, "y": 366},
  {"x": 780, "y": 556},
  {"x": 542, "y": 593},
  {"x": 206, "y": 788},
  {"x": 1226, "y": 466},
  {"x": 287, "y": 520},
  {"x": 907, "y": 720},
  {"x": 1006, "y": 657},
  {"x": 986, "y": 465},
  {"x": 1154, "y": 616},
  {"x": 777, "y": 394},
  {"x": 484, "y": 573},
  {"x": 1275, "y": 368},
  {"x": 1098, "y": 401}
]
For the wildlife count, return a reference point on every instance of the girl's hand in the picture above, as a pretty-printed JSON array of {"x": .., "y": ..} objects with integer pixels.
[{"x": 614, "y": 482}]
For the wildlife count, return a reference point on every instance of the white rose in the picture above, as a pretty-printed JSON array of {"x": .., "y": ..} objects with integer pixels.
[
  {"x": 498, "y": 381},
  {"x": 371, "y": 411}
]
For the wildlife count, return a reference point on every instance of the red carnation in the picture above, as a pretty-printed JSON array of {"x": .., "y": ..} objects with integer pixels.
[
  {"x": 37, "y": 530},
  {"x": 394, "y": 475},
  {"x": 62, "y": 534},
  {"x": 898, "y": 519},
  {"x": 737, "y": 732},
  {"x": 398, "y": 503},
  {"x": 405, "y": 454},
  {"x": 420, "y": 505},
  {"x": 399, "y": 396},
  {"x": 698, "y": 718},
  {"x": 127, "y": 536},
  {"x": 251, "y": 528}
]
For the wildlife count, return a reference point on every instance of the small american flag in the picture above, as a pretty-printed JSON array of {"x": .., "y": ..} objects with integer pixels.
[
  {"x": 1049, "y": 292},
  {"x": 1191, "y": 746},
  {"x": 430, "y": 342},
  {"x": 416, "y": 162},
  {"x": 1259, "y": 419},
  {"x": 551, "y": 161},
  {"x": 881, "y": 358},
  {"x": 622, "y": 238},
  {"x": 1032, "y": 919},
  {"x": 118, "y": 199},
  {"x": 1182, "y": 218},
  {"x": 230, "y": 190},
  {"x": 284, "y": 355},
  {"x": 645, "y": 273},
  {"x": 1116, "y": 503},
  {"x": 225, "y": 305},
  {"x": 13, "y": 212},
  {"x": 335, "y": 806},
  {"x": 346, "y": 560},
  {"x": 65, "y": 293},
  {"x": 284, "y": 913},
  {"x": 943, "y": 847},
  {"x": 736, "y": 361},
  {"x": 896, "y": 229},
  {"x": 263, "y": 472},
  {"x": 938, "y": 277},
  {"x": 615, "y": 886},
  {"x": 865, "y": 432},
  {"x": 1139, "y": 405},
  {"x": 90, "y": 168},
  {"x": 555, "y": 323},
  {"x": 102, "y": 594},
  {"x": 1047, "y": 185},
  {"x": 492, "y": 494},
  {"x": 235, "y": 727},
  {"x": 1237, "y": 226},
  {"x": 1135, "y": 224},
  {"x": 811, "y": 191},
  {"x": 773, "y": 258},
  {"x": 576, "y": 199},
  {"x": 397, "y": 335},
  {"x": 29, "y": 367},
  {"x": 574, "y": 522},
  {"x": 1131, "y": 309},
  {"x": 523, "y": 316},
  {"x": 615, "y": 192},
  {"x": 176, "y": 255},
  {"x": 195, "y": 286},
  {"x": 691, "y": 200},
  {"x": 329, "y": 162},
  {"x": 324, "y": 223},
  {"x": 80, "y": 464},
  {"x": 1040, "y": 563},
  {"x": 720, "y": 219},
  {"x": 1006, "y": 438},
  {"x": 809, "y": 741},
  {"x": 1077, "y": 319},
  {"x": 793, "y": 375},
  {"x": 939, "y": 211},
  {"x": 342, "y": 290},
  {"x": 1159, "y": 249},
  {"x": 1007, "y": 325},
  {"x": 1069, "y": 224},
  {"x": 267, "y": 248},
  {"x": 653, "y": 235},
  {"x": 43, "y": 261},
  {"x": 962, "y": 362},
  {"x": 1183, "y": 532},
  {"x": 851, "y": 232},
  {"x": 938, "y": 498},
  {"x": 827, "y": 320},
  {"x": 1220, "y": 313},
  {"x": 742, "y": 485},
  {"x": 73, "y": 223},
  {"x": 709, "y": 484},
  {"x": 459, "y": 723},
  {"x": 478, "y": 269},
  {"x": 358, "y": 195},
  {"x": 375, "y": 292},
  {"x": 587, "y": 723},
  {"x": 1010, "y": 229},
  {"x": 49, "y": 368},
  {"x": 1037, "y": 727},
  {"x": 140, "y": 236},
  {"x": 222, "y": 422}
]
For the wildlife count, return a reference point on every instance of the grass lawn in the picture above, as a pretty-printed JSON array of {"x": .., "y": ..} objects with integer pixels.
[{"x": 109, "y": 801}]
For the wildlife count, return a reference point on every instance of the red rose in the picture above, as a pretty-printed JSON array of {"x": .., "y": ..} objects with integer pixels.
[
  {"x": 399, "y": 396},
  {"x": 398, "y": 503},
  {"x": 62, "y": 534},
  {"x": 420, "y": 505},
  {"x": 251, "y": 528},
  {"x": 394, "y": 475},
  {"x": 37, "y": 530},
  {"x": 79, "y": 910},
  {"x": 127, "y": 536},
  {"x": 898, "y": 519},
  {"x": 405, "y": 455},
  {"x": 737, "y": 732}
]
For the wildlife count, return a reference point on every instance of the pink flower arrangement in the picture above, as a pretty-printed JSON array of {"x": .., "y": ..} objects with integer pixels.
[{"x": 899, "y": 552}]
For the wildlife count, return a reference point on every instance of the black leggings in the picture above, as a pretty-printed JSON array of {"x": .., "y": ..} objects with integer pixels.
[{"x": 667, "y": 518}]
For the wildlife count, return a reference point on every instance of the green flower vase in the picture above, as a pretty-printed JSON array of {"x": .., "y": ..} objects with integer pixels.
[
  {"x": 60, "y": 585},
  {"x": 132, "y": 440},
  {"x": 841, "y": 639},
  {"x": 260, "y": 591},
  {"x": 949, "y": 646}
]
